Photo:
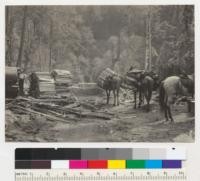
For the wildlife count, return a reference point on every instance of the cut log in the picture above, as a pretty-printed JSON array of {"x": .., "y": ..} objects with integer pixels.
[
  {"x": 41, "y": 83},
  {"x": 63, "y": 79},
  {"x": 11, "y": 75},
  {"x": 86, "y": 89},
  {"x": 11, "y": 79}
]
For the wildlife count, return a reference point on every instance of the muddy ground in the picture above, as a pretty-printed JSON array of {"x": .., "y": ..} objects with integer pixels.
[{"x": 127, "y": 125}]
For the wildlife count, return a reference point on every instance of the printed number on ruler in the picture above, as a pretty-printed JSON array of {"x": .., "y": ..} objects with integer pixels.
[{"x": 100, "y": 175}]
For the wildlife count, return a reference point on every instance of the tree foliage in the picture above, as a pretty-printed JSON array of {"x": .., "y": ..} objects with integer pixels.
[{"x": 88, "y": 39}]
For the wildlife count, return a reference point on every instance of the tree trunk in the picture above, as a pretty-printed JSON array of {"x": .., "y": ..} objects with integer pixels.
[
  {"x": 148, "y": 62},
  {"x": 50, "y": 45},
  {"x": 23, "y": 31},
  {"x": 9, "y": 34},
  {"x": 117, "y": 58}
]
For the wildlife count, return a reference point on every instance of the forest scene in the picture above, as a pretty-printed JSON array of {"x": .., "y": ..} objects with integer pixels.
[{"x": 86, "y": 40}]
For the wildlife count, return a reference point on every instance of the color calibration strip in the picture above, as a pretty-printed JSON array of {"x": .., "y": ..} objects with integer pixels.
[
  {"x": 100, "y": 154},
  {"x": 99, "y": 164}
]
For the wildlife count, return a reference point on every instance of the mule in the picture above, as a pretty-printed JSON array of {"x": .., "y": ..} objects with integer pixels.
[
  {"x": 170, "y": 89},
  {"x": 143, "y": 84},
  {"x": 145, "y": 90},
  {"x": 112, "y": 83},
  {"x": 131, "y": 84}
]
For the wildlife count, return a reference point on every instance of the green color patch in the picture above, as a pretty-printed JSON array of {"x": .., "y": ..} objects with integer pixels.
[{"x": 135, "y": 163}]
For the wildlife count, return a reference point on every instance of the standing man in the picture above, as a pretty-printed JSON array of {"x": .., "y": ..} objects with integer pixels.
[{"x": 21, "y": 77}]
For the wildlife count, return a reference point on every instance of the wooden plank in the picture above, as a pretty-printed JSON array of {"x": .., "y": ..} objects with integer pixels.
[{"x": 49, "y": 117}]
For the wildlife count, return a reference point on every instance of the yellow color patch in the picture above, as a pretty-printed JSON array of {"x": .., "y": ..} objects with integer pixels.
[{"x": 116, "y": 164}]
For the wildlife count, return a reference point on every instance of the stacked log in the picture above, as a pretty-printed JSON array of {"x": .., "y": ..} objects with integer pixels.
[
  {"x": 135, "y": 73},
  {"x": 129, "y": 83},
  {"x": 41, "y": 84},
  {"x": 101, "y": 79},
  {"x": 86, "y": 89},
  {"x": 132, "y": 79},
  {"x": 63, "y": 79},
  {"x": 11, "y": 78}
]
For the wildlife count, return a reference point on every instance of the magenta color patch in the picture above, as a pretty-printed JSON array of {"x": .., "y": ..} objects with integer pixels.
[{"x": 77, "y": 164}]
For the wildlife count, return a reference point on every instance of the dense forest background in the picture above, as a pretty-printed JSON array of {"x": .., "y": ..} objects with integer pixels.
[{"x": 87, "y": 39}]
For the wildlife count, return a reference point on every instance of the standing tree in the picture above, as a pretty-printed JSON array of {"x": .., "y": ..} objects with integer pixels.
[
  {"x": 50, "y": 44},
  {"x": 9, "y": 35},
  {"x": 23, "y": 31},
  {"x": 148, "y": 61}
]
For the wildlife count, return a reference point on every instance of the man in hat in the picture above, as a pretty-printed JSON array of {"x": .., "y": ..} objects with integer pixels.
[{"x": 21, "y": 77}]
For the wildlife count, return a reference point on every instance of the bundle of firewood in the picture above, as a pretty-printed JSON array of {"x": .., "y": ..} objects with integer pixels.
[
  {"x": 135, "y": 73},
  {"x": 101, "y": 79},
  {"x": 63, "y": 79}
]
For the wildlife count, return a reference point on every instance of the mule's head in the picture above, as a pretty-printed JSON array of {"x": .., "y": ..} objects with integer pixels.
[{"x": 188, "y": 84}]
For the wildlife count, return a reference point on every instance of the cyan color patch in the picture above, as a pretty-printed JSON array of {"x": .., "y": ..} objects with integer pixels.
[{"x": 153, "y": 163}]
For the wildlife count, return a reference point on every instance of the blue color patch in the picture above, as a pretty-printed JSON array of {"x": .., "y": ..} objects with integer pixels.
[{"x": 153, "y": 163}]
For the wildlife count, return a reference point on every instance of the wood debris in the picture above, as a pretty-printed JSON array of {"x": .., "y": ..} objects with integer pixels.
[{"x": 57, "y": 109}]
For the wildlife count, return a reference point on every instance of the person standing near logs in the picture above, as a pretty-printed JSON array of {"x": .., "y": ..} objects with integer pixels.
[
  {"x": 21, "y": 77},
  {"x": 34, "y": 89}
]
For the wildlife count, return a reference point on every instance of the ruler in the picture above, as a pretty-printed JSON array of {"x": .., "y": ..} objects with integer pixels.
[{"x": 101, "y": 175}]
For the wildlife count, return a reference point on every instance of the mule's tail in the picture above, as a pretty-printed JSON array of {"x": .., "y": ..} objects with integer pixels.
[{"x": 162, "y": 96}]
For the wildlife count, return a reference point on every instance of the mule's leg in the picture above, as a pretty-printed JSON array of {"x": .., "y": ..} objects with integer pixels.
[
  {"x": 114, "y": 93},
  {"x": 118, "y": 97},
  {"x": 139, "y": 103},
  {"x": 166, "y": 113},
  {"x": 135, "y": 98},
  {"x": 107, "y": 96},
  {"x": 140, "y": 98},
  {"x": 147, "y": 100},
  {"x": 166, "y": 107},
  {"x": 170, "y": 114}
]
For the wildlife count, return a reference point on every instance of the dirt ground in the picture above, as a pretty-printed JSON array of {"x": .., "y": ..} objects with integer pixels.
[{"x": 127, "y": 125}]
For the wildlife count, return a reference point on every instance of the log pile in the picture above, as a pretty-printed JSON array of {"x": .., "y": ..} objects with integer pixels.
[
  {"x": 63, "y": 79},
  {"x": 41, "y": 84},
  {"x": 101, "y": 79}
]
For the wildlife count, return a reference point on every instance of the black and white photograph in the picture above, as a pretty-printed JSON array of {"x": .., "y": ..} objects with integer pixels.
[{"x": 97, "y": 73}]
